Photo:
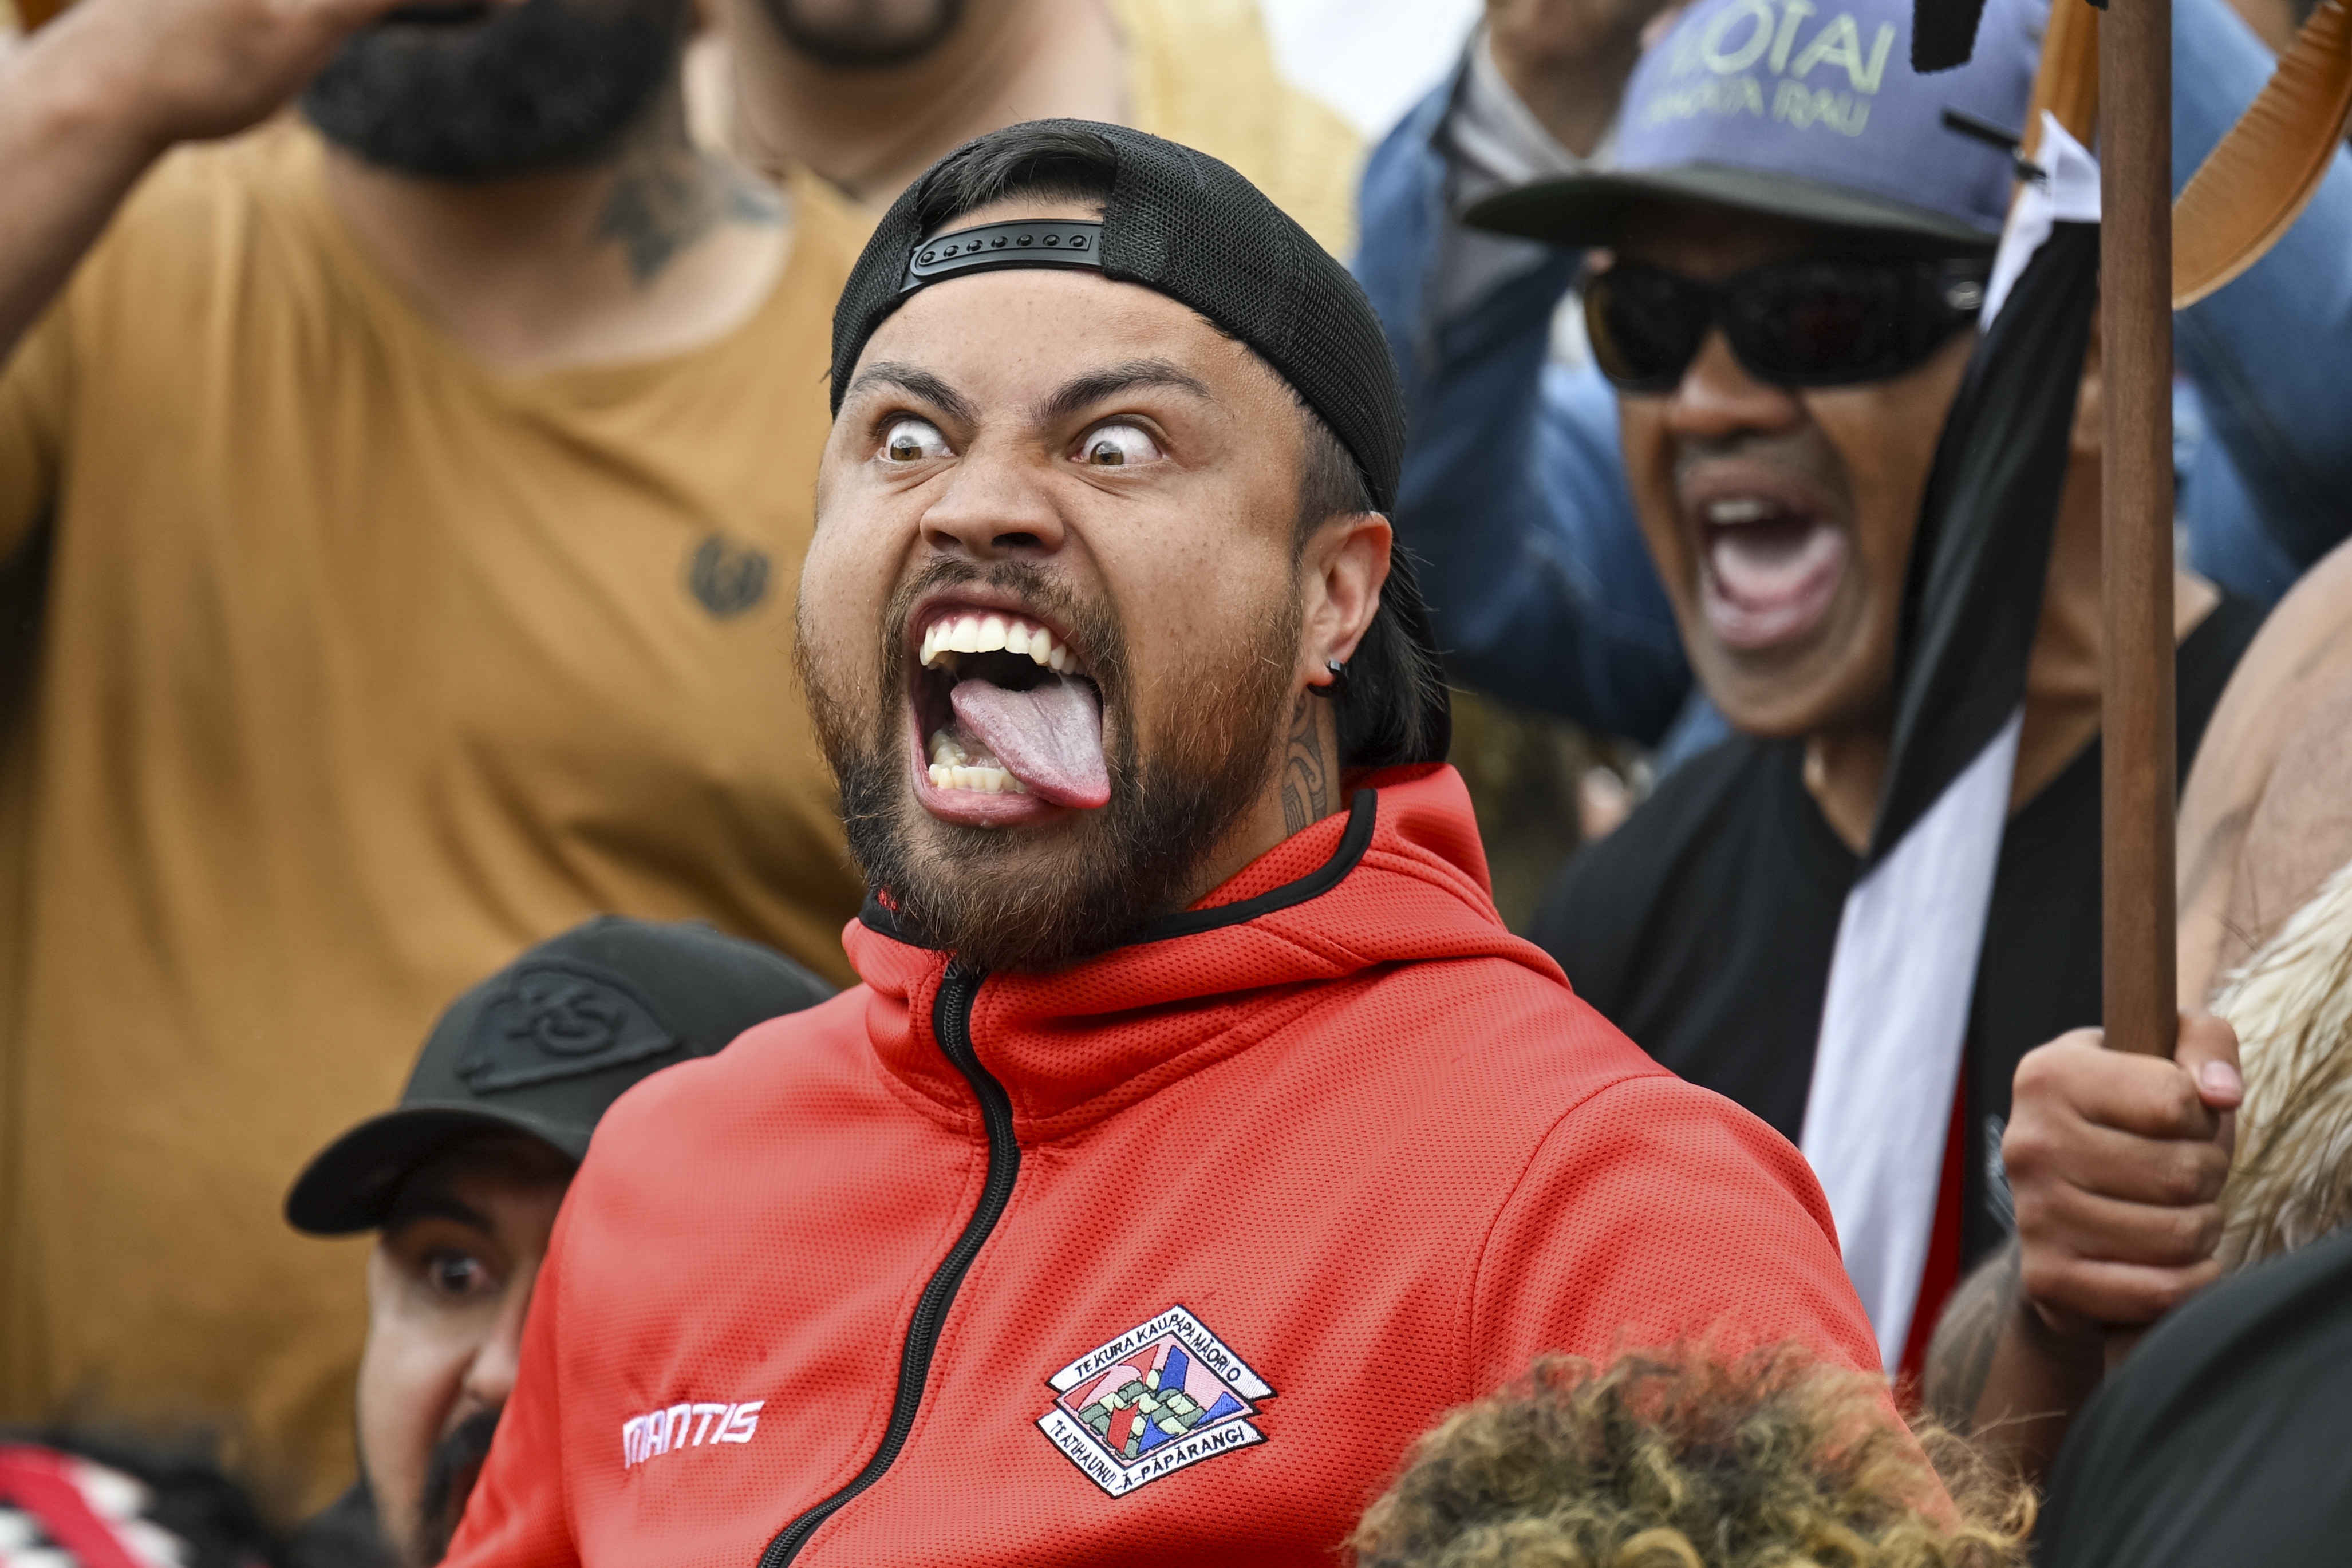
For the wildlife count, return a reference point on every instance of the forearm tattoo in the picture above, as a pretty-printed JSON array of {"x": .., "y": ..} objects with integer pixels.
[{"x": 1960, "y": 1356}]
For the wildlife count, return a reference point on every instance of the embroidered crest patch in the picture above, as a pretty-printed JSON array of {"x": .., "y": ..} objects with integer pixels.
[{"x": 1165, "y": 1394}]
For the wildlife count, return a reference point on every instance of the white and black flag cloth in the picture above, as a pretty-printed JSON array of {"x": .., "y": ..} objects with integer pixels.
[{"x": 1895, "y": 1022}]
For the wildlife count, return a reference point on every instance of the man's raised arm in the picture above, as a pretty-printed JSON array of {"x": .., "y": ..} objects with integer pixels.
[{"x": 87, "y": 103}]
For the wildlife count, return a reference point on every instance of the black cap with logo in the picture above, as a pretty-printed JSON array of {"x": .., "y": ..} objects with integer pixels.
[{"x": 546, "y": 1045}]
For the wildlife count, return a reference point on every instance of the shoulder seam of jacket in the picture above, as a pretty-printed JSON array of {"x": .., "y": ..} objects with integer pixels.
[{"x": 1494, "y": 1220}]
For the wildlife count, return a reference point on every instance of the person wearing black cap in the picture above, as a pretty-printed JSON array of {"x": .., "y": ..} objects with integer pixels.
[
  {"x": 462, "y": 1180},
  {"x": 1199, "y": 1133}
]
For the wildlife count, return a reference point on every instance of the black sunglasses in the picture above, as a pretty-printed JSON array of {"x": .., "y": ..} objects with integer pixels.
[{"x": 1793, "y": 323}]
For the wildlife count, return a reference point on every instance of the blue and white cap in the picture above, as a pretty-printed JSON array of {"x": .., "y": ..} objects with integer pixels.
[{"x": 1806, "y": 110}]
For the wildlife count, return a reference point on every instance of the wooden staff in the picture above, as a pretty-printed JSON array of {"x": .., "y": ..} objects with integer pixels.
[{"x": 2136, "y": 339}]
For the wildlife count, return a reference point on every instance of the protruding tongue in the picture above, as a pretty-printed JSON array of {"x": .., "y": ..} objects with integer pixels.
[{"x": 1049, "y": 737}]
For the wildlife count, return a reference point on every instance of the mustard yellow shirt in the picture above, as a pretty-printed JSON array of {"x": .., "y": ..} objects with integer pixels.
[
  {"x": 358, "y": 668},
  {"x": 335, "y": 669}
]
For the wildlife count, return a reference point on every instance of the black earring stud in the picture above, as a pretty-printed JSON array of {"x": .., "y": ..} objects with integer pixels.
[{"x": 1338, "y": 686}]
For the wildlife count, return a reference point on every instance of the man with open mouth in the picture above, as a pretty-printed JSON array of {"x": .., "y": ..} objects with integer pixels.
[
  {"x": 1800, "y": 248},
  {"x": 1199, "y": 1133}
]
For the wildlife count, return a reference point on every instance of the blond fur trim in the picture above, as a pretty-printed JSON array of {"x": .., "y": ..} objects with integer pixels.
[{"x": 2291, "y": 1006}]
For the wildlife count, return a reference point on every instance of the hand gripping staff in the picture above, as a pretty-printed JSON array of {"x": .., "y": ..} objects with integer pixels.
[{"x": 2116, "y": 73}]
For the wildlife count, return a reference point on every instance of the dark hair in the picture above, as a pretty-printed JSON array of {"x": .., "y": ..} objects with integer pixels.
[
  {"x": 1048, "y": 161},
  {"x": 1395, "y": 681}
]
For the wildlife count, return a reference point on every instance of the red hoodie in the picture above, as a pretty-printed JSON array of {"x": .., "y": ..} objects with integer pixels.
[{"x": 1167, "y": 1256}]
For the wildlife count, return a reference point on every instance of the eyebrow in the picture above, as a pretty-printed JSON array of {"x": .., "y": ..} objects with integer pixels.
[
  {"x": 921, "y": 382},
  {"x": 1073, "y": 396},
  {"x": 434, "y": 1204}
]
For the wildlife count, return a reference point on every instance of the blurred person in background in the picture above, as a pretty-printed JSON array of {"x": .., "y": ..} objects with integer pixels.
[
  {"x": 869, "y": 93},
  {"x": 1514, "y": 489},
  {"x": 1779, "y": 502},
  {"x": 405, "y": 503},
  {"x": 461, "y": 1183},
  {"x": 1675, "y": 1457}
]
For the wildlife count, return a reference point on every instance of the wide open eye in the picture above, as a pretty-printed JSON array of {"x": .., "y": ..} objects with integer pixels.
[
  {"x": 1116, "y": 446},
  {"x": 456, "y": 1276},
  {"x": 912, "y": 441}
]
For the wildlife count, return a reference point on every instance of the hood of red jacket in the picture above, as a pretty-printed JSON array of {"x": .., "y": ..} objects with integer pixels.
[{"x": 1397, "y": 878}]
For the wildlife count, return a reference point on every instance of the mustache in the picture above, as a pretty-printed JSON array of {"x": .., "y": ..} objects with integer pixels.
[{"x": 449, "y": 1478}]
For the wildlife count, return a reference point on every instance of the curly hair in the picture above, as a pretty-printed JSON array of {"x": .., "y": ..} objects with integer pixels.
[{"x": 1679, "y": 1460}]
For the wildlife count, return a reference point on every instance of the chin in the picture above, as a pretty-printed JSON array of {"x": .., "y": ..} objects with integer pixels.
[{"x": 1782, "y": 693}]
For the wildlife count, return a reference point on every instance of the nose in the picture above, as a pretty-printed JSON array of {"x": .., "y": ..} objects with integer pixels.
[
  {"x": 491, "y": 1376},
  {"x": 996, "y": 507},
  {"x": 1718, "y": 398}
]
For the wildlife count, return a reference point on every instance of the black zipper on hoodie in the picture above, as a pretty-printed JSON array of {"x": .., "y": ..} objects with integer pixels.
[{"x": 951, "y": 1023}]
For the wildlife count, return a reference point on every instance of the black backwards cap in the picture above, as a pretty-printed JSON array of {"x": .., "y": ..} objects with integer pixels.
[
  {"x": 545, "y": 1046},
  {"x": 1184, "y": 224}
]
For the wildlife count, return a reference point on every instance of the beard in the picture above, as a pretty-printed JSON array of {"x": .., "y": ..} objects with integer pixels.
[
  {"x": 449, "y": 1478},
  {"x": 865, "y": 34},
  {"x": 475, "y": 93},
  {"x": 1033, "y": 900}
]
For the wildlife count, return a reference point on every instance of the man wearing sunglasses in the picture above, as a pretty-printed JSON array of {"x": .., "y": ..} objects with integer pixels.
[
  {"x": 1796, "y": 253},
  {"x": 1514, "y": 494}
]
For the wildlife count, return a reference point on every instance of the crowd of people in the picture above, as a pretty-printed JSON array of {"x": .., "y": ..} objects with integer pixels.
[{"x": 834, "y": 626}]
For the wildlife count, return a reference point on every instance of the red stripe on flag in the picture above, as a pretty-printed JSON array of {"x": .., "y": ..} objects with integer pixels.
[{"x": 1942, "y": 1272}]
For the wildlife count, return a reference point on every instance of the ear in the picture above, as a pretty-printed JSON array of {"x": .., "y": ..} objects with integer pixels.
[{"x": 1341, "y": 573}]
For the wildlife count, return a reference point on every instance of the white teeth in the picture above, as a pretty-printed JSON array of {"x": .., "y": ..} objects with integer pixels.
[
  {"x": 945, "y": 749},
  {"x": 1737, "y": 510},
  {"x": 981, "y": 777},
  {"x": 987, "y": 635}
]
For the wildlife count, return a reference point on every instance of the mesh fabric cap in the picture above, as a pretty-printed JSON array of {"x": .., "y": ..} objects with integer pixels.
[
  {"x": 545, "y": 1046},
  {"x": 1186, "y": 226}
]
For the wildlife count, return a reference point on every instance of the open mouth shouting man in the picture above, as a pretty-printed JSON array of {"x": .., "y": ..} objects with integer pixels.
[
  {"x": 1198, "y": 1134},
  {"x": 1792, "y": 302}
]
